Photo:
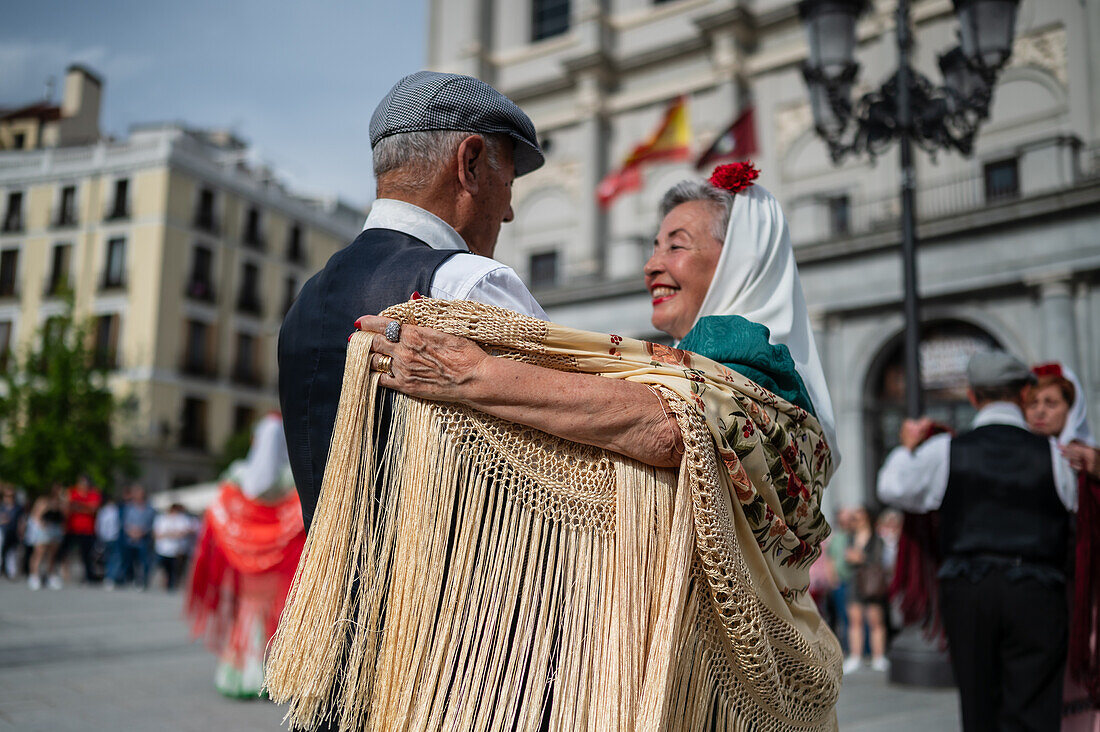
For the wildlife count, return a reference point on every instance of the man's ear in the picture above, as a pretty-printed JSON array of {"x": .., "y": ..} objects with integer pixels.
[
  {"x": 471, "y": 152},
  {"x": 973, "y": 399}
]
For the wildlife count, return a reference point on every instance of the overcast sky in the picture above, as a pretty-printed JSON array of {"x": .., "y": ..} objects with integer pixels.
[{"x": 298, "y": 80}]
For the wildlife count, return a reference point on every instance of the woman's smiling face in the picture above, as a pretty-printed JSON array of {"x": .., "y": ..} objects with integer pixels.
[{"x": 678, "y": 274}]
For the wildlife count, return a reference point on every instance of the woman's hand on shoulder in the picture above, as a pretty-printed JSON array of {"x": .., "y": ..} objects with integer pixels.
[
  {"x": 426, "y": 363},
  {"x": 1082, "y": 457}
]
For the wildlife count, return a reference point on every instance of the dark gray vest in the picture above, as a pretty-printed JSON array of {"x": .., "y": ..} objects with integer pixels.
[
  {"x": 380, "y": 268},
  {"x": 1001, "y": 498}
]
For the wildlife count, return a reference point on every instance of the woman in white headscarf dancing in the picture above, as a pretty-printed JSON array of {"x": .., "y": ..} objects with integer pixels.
[{"x": 249, "y": 546}]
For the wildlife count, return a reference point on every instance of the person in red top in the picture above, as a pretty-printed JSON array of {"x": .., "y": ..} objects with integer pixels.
[{"x": 81, "y": 503}]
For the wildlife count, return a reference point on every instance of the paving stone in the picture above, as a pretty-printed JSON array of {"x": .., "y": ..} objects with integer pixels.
[{"x": 82, "y": 660}]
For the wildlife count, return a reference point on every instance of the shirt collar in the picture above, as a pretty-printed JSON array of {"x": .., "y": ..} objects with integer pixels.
[
  {"x": 389, "y": 213},
  {"x": 1000, "y": 413}
]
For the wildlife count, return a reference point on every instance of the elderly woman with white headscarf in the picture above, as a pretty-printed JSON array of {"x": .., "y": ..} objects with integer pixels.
[
  {"x": 522, "y": 577},
  {"x": 724, "y": 283}
]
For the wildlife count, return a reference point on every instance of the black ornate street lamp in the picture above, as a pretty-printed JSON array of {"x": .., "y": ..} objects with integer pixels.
[{"x": 908, "y": 108}]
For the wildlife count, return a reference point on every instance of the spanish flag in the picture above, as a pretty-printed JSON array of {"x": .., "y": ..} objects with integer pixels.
[{"x": 670, "y": 141}]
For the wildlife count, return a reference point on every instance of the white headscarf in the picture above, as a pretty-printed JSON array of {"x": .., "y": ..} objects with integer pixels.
[
  {"x": 264, "y": 468},
  {"x": 757, "y": 278},
  {"x": 1077, "y": 420}
]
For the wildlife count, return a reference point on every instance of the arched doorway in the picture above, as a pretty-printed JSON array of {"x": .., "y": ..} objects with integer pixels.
[{"x": 946, "y": 347}]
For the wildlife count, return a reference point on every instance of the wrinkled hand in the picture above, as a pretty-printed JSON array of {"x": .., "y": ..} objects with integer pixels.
[
  {"x": 913, "y": 432},
  {"x": 426, "y": 363},
  {"x": 1082, "y": 458}
]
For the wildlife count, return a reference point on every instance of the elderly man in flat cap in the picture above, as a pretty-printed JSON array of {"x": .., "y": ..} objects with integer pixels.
[
  {"x": 446, "y": 149},
  {"x": 1004, "y": 496}
]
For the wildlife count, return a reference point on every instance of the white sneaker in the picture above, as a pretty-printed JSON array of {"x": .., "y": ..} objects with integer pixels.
[
  {"x": 54, "y": 582},
  {"x": 879, "y": 663},
  {"x": 34, "y": 582},
  {"x": 852, "y": 664}
]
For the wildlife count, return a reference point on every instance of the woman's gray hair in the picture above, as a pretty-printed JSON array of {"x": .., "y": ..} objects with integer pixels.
[
  {"x": 697, "y": 190},
  {"x": 414, "y": 158}
]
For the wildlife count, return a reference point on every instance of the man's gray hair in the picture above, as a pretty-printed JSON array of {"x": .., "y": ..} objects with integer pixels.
[
  {"x": 416, "y": 157},
  {"x": 696, "y": 190}
]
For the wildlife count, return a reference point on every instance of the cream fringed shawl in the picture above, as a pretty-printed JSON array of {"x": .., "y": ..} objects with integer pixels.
[{"x": 466, "y": 573}]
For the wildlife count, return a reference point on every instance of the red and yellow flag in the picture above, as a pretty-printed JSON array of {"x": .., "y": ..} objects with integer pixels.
[{"x": 670, "y": 141}]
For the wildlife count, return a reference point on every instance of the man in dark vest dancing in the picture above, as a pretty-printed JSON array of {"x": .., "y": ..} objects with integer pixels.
[
  {"x": 446, "y": 149},
  {"x": 1004, "y": 497}
]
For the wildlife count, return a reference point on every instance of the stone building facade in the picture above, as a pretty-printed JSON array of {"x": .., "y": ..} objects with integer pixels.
[
  {"x": 184, "y": 254},
  {"x": 1009, "y": 238}
]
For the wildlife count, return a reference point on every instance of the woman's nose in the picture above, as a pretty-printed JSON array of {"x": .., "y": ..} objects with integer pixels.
[{"x": 652, "y": 266}]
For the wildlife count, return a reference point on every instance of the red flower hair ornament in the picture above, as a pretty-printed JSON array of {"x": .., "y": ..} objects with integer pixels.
[
  {"x": 734, "y": 177},
  {"x": 1049, "y": 369}
]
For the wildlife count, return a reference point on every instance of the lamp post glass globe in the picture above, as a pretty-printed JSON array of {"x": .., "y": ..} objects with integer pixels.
[
  {"x": 831, "y": 32},
  {"x": 986, "y": 28}
]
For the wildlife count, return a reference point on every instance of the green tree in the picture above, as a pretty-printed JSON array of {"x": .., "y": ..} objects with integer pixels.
[{"x": 56, "y": 412}]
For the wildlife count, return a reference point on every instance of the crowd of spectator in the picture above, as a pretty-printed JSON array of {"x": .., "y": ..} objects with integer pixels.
[
  {"x": 120, "y": 541},
  {"x": 849, "y": 582}
]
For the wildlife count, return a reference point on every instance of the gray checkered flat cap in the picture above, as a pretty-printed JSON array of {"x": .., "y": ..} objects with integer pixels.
[
  {"x": 429, "y": 100},
  {"x": 996, "y": 368}
]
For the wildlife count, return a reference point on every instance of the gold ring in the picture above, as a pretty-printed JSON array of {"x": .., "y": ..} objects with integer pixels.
[{"x": 384, "y": 362}]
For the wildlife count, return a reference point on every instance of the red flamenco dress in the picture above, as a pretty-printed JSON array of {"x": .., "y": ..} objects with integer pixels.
[{"x": 248, "y": 550}]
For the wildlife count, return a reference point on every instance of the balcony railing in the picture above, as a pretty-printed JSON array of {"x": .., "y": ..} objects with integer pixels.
[
  {"x": 249, "y": 304},
  {"x": 196, "y": 366},
  {"x": 936, "y": 198},
  {"x": 206, "y": 222},
  {"x": 198, "y": 289},
  {"x": 13, "y": 223}
]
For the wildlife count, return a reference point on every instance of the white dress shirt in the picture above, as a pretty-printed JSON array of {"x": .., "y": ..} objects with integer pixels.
[
  {"x": 917, "y": 481},
  {"x": 466, "y": 277}
]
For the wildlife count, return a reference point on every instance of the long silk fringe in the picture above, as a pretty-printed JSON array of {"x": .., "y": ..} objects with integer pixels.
[{"x": 429, "y": 598}]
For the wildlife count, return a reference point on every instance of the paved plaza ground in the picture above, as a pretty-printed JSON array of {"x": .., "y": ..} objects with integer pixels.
[{"x": 83, "y": 659}]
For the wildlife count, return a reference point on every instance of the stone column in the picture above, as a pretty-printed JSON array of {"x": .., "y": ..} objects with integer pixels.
[
  {"x": 589, "y": 66},
  {"x": 591, "y": 219},
  {"x": 1058, "y": 322}
]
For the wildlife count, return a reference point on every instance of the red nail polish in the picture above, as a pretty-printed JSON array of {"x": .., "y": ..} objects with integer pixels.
[
  {"x": 416, "y": 295},
  {"x": 350, "y": 337},
  {"x": 357, "y": 323}
]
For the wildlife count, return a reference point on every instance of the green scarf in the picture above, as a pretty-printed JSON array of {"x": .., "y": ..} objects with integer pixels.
[{"x": 743, "y": 346}]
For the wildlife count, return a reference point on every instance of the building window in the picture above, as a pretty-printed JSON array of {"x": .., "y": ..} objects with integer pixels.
[
  {"x": 549, "y": 18},
  {"x": 60, "y": 269},
  {"x": 193, "y": 429},
  {"x": 544, "y": 270},
  {"x": 13, "y": 214},
  {"x": 291, "y": 293},
  {"x": 9, "y": 259},
  {"x": 5, "y": 343},
  {"x": 253, "y": 231},
  {"x": 19, "y": 140},
  {"x": 244, "y": 369},
  {"x": 1002, "y": 179},
  {"x": 106, "y": 342},
  {"x": 196, "y": 359},
  {"x": 200, "y": 286},
  {"x": 66, "y": 210},
  {"x": 204, "y": 214},
  {"x": 243, "y": 417},
  {"x": 120, "y": 209},
  {"x": 115, "y": 272},
  {"x": 249, "y": 297},
  {"x": 840, "y": 218},
  {"x": 294, "y": 250}
]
